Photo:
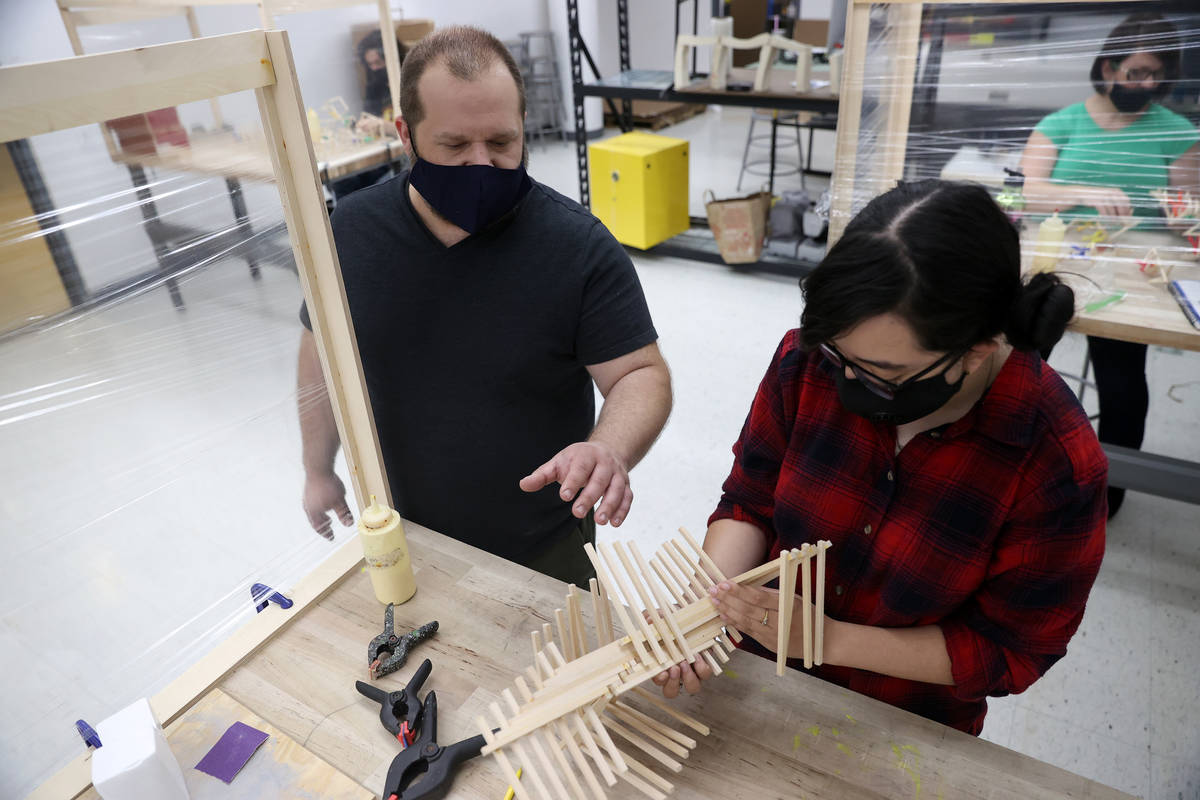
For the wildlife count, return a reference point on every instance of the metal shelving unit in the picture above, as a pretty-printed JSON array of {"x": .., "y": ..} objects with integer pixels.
[{"x": 630, "y": 84}]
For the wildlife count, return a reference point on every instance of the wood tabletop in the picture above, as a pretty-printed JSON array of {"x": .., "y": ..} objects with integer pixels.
[
  {"x": 788, "y": 737},
  {"x": 1148, "y": 314}
]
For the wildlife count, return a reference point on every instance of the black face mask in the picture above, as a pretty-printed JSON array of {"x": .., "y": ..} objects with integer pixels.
[
  {"x": 471, "y": 196},
  {"x": 910, "y": 403},
  {"x": 1129, "y": 100}
]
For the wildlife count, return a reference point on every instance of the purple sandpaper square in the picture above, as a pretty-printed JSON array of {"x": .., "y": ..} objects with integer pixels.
[{"x": 232, "y": 752}]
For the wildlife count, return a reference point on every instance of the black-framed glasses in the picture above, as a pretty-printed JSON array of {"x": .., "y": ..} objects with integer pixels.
[{"x": 881, "y": 386}]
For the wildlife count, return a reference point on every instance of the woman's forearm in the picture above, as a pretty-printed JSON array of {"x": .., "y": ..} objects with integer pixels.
[
  {"x": 735, "y": 546},
  {"x": 915, "y": 654}
]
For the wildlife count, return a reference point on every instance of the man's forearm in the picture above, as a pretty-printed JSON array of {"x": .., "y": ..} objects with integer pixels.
[
  {"x": 634, "y": 412},
  {"x": 318, "y": 428},
  {"x": 915, "y": 654}
]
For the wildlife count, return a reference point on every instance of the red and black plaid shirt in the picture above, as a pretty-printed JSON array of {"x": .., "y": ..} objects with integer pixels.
[{"x": 991, "y": 527}]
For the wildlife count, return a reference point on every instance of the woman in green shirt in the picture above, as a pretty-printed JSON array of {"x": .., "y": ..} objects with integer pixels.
[{"x": 1103, "y": 157}]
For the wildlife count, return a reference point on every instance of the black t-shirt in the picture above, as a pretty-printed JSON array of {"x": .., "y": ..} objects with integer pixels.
[{"x": 475, "y": 355}]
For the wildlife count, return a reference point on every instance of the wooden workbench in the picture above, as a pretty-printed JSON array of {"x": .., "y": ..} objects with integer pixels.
[
  {"x": 1148, "y": 314},
  {"x": 787, "y": 737}
]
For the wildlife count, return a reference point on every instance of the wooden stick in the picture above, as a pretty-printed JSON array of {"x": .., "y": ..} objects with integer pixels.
[
  {"x": 535, "y": 675},
  {"x": 606, "y": 579},
  {"x": 670, "y": 710},
  {"x": 645, "y": 746},
  {"x": 806, "y": 607},
  {"x": 556, "y": 654},
  {"x": 660, "y": 628},
  {"x": 604, "y": 632},
  {"x": 819, "y": 655},
  {"x": 616, "y": 713},
  {"x": 605, "y": 739},
  {"x": 787, "y": 598},
  {"x": 676, "y": 582},
  {"x": 712, "y": 663},
  {"x": 661, "y": 727},
  {"x": 638, "y": 768},
  {"x": 539, "y": 788},
  {"x": 664, "y": 604},
  {"x": 540, "y": 742},
  {"x": 708, "y": 565},
  {"x": 581, "y": 763},
  {"x": 660, "y": 656},
  {"x": 535, "y": 638},
  {"x": 592, "y": 749},
  {"x": 565, "y": 637},
  {"x": 576, "y": 617},
  {"x": 631, "y": 777},
  {"x": 699, "y": 588},
  {"x": 547, "y": 633},
  {"x": 501, "y": 758}
]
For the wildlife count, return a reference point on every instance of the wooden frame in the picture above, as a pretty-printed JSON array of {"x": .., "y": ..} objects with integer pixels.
[
  {"x": 80, "y": 13},
  {"x": 901, "y": 40},
  {"x": 722, "y": 55},
  {"x": 49, "y": 96},
  {"x": 581, "y": 695}
]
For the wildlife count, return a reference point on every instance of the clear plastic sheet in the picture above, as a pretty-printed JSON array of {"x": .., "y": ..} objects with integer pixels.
[
  {"x": 1019, "y": 97},
  {"x": 148, "y": 396}
]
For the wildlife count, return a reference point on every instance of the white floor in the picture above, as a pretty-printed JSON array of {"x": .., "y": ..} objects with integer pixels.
[{"x": 150, "y": 465}]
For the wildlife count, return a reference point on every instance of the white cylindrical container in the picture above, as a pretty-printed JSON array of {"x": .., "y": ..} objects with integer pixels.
[
  {"x": 1048, "y": 249},
  {"x": 386, "y": 552},
  {"x": 134, "y": 761}
]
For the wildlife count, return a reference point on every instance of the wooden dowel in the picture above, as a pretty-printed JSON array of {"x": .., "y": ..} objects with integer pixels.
[
  {"x": 539, "y": 788},
  {"x": 607, "y": 580},
  {"x": 604, "y": 633},
  {"x": 565, "y": 638},
  {"x": 576, "y": 615},
  {"x": 720, "y": 651},
  {"x": 592, "y": 749},
  {"x": 632, "y": 778},
  {"x": 805, "y": 607},
  {"x": 661, "y": 727},
  {"x": 664, "y": 605},
  {"x": 535, "y": 675},
  {"x": 547, "y": 633},
  {"x": 712, "y": 663},
  {"x": 670, "y": 710},
  {"x": 556, "y": 655},
  {"x": 581, "y": 763},
  {"x": 819, "y": 655},
  {"x": 501, "y": 758},
  {"x": 544, "y": 662},
  {"x": 787, "y": 598},
  {"x": 590, "y": 714},
  {"x": 674, "y": 582},
  {"x": 645, "y": 746},
  {"x": 651, "y": 637},
  {"x": 535, "y": 638},
  {"x": 661, "y": 629},
  {"x": 542, "y": 748},
  {"x": 617, "y": 717},
  {"x": 701, "y": 581},
  {"x": 701, "y": 568},
  {"x": 639, "y": 769}
]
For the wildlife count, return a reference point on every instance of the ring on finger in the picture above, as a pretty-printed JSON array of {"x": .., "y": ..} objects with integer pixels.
[{"x": 763, "y": 621}]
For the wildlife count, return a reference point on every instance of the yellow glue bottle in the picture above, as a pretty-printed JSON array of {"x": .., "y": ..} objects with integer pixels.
[
  {"x": 1048, "y": 249},
  {"x": 386, "y": 552}
]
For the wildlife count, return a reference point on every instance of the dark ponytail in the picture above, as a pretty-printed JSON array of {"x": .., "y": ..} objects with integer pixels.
[
  {"x": 1040, "y": 316},
  {"x": 945, "y": 258}
]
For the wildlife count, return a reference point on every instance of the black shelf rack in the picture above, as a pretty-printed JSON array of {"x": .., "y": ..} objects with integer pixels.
[{"x": 619, "y": 90}]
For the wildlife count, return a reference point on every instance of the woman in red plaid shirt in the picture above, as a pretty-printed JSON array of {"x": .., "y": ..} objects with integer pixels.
[{"x": 911, "y": 421}]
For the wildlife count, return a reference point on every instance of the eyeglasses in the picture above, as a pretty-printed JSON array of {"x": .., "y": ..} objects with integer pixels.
[
  {"x": 877, "y": 385},
  {"x": 1143, "y": 74}
]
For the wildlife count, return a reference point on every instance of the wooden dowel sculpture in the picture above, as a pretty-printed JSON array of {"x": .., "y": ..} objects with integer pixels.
[{"x": 561, "y": 730}]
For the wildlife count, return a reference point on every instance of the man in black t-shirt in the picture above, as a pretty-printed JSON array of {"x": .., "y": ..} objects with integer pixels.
[{"x": 486, "y": 306}]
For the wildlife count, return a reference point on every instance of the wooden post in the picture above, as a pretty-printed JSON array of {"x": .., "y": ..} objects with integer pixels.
[
  {"x": 787, "y": 596},
  {"x": 819, "y": 655},
  {"x": 806, "y": 604}
]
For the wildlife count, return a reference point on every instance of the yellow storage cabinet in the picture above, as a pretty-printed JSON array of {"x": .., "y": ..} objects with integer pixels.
[{"x": 639, "y": 187}]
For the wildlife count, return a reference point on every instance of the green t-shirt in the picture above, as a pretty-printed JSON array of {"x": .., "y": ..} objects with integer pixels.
[{"x": 1134, "y": 159}]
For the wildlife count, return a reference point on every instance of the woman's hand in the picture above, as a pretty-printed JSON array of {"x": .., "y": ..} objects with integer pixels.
[
  {"x": 755, "y": 612},
  {"x": 1108, "y": 201},
  {"x": 689, "y": 676}
]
